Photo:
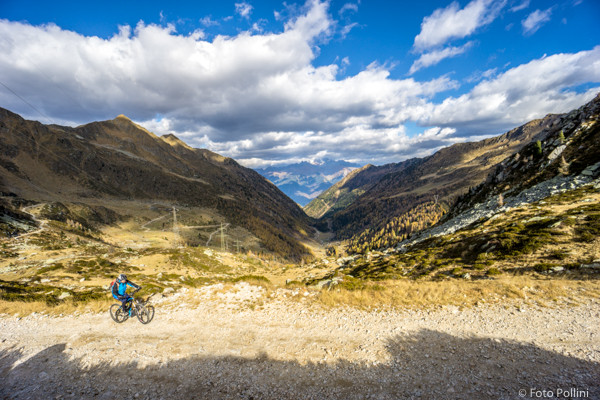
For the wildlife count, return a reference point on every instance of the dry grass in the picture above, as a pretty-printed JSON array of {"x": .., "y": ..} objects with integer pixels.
[
  {"x": 23, "y": 308},
  {"x": 425, "y": 294}
]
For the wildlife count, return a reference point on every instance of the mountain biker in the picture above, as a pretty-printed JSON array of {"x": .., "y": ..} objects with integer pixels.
[{"x": 119, "y": 290}]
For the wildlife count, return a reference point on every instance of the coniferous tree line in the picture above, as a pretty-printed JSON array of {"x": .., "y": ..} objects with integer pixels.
[{"x": 398, "y": 228}]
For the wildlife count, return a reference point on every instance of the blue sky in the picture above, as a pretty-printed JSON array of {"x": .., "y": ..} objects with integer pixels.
[{"x": 272, "y": 82}]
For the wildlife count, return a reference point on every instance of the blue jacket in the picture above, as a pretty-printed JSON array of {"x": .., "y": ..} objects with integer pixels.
[{"x": 119, "y": 288}]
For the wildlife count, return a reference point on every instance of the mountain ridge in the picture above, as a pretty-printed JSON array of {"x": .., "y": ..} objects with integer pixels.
[
  {"x": 440, "y": 177},
  {"x": 118, "y": 159}
]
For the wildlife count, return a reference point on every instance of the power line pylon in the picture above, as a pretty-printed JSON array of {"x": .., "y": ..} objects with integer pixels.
[
  {"x": 175, "y": 227},
  {"x": 222, "y": 237}
]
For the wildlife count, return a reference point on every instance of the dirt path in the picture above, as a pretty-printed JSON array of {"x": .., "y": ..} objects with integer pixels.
[{"x": 238, "y": 343}]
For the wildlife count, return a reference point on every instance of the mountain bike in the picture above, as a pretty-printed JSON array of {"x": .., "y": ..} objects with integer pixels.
[{"x": 133, "y": 307}]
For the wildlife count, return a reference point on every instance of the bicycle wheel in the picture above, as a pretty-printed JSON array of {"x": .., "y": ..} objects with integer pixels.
[
  {"x": 117, "y": 313},
  {"x": 145, "y": 314}
]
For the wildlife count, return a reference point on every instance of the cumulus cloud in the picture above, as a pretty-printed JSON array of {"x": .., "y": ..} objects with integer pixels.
[
  {"x": 435, "y": 56},
  {"x": 449, "y": 23},
  {"x": 535, "y": 20},
  {"x": 519, "y": 94},
  {"x": 258, "y": 97}
]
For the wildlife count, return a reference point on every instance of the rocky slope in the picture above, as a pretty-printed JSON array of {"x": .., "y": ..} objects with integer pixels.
[
  {"x": 444, "y": 176},
  {"x": 566, "y": 158},
  {"x": 397, "y": 188},
  {"x": 119, "y": 160}
]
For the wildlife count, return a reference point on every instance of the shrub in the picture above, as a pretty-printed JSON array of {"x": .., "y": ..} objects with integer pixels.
[
  {"x": 351, "y": 283},
  {"x": 543, "y": 267}
]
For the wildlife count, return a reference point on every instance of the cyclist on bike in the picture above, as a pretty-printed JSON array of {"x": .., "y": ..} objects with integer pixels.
[{"x": 119, "y": 290}]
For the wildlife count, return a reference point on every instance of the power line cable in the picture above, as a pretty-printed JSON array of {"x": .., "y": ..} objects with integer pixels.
[
  {"x": 26, "y": 102},
  {"x": 40, "y": 145}
]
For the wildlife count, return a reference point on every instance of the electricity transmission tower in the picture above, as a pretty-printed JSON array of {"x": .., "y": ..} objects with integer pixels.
[
  {"x": 176, "y": 227},
  {"x": 238, "y": 245}
]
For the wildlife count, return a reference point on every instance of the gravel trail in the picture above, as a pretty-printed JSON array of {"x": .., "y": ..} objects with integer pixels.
[{"x": 241, "y": 343}]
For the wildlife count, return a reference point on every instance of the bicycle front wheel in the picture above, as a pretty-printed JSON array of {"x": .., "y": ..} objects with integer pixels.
[
  {"x": 117, "y": 313},
  {"x": 145, "y": 314}
]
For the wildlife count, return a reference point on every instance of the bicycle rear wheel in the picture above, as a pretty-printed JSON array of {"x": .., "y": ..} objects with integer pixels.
[
  {"x": 145, "y": 314},
  {"x": 117, "y": 313}
]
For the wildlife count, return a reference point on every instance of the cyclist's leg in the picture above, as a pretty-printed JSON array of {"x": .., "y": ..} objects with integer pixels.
[
  {"x": 123, "y": 300},
  {"x": 128, "y": 303},
  {"x": 120, "y": 298}
]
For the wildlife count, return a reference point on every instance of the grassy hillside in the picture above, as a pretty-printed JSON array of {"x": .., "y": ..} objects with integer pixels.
[{"x": 559, "y": 236}]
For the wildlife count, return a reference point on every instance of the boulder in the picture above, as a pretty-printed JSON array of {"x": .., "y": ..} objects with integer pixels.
[
  {"x": 556, "y": 152},
  {"x": 594, "y": 265}
]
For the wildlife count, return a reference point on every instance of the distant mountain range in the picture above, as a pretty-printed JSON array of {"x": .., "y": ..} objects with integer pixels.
[
  {"x": 302, "y": 182},
  {"x": 121, "y": 166}
]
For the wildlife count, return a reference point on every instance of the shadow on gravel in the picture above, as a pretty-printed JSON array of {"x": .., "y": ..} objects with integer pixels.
[{"x": 426, "y": 365}]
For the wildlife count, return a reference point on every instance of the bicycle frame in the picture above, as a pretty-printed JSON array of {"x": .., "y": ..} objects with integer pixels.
[{"x": 140, "y": 307}]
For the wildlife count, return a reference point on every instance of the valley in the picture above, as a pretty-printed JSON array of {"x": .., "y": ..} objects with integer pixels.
[{"x": 482, "y": 286}]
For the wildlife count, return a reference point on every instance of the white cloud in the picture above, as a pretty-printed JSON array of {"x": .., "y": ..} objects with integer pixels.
[
  {"x": 435, "y": 56},
  {"x": 520, "y": 94},
  {"x": 479, "y": 75},
  {"x": 243, "y": 9},
  {"x": 445, "y": 24},
  {"x": 347, "y": 28},
  {"x": 520, "y": 6},
  {"x": 450, "y": 23},
  {"x": 259, "y": 98},
  {"x": 208, "y": 22},
  {"x": 348, "y": 7},
  {"x": 535, "y": 20},
  {"x": 314, "y": 23}
]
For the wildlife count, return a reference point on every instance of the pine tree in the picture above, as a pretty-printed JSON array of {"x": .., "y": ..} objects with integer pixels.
[{"x": 538, "y": 148}]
